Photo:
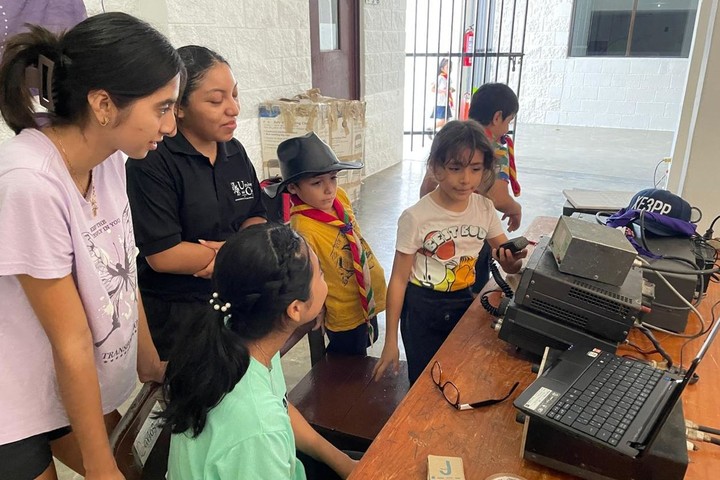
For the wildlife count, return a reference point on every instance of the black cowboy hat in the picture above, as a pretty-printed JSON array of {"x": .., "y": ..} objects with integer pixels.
[{"x": 305, "y": 156}]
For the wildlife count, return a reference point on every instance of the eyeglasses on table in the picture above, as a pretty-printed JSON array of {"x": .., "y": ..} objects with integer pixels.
[{"x": 451, "y": 393}]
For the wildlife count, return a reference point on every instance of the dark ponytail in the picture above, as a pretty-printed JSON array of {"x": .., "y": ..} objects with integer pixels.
[
  {"x": 259, "y": 271},
  {"x": 22, "y": 51},
  {"x": 115, "y": 52}
]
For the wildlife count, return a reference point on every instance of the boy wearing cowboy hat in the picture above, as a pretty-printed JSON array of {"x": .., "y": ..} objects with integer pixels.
[{"x": 323, "y": 215}]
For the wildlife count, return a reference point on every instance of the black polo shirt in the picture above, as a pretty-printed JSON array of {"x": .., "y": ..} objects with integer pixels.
[{"x": 177, "y": 195}]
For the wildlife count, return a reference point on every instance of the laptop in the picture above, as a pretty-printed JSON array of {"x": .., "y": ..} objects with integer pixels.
[{"x": 614, "y": 402}]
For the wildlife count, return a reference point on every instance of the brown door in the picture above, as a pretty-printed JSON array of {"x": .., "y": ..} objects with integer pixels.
[{"x": 334, "y": 46}]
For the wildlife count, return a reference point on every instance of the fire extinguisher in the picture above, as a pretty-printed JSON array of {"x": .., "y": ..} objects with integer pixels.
[{"x": 468, "y": 46}]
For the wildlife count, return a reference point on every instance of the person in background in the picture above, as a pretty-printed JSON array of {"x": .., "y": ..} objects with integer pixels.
[
  {"x": 494, "y": 106},
  {"x": 438, "y": 240},
  {"x": 189, "y": 195},
  {"x": 73, "y": 332},
  {"x": 226, "y": 395},
  {"x": 442, "y": 95},
  {"x": 323, "y": 215}
]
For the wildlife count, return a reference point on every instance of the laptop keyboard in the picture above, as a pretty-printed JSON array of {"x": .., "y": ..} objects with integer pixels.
[{"x": 606, "y": 398}]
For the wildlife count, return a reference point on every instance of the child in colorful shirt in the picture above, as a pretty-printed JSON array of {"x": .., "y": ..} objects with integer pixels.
[
  {"x": 438, "y": 241},
  {"x": 494, "y": 106},
  {"x": 323, "y": 215}
]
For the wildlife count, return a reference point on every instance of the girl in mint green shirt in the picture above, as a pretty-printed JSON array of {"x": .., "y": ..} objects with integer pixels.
[{"x": 226, "y": 394}]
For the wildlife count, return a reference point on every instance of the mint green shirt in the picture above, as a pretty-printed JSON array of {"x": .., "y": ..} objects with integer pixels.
[{"x": 248, "y": 435}]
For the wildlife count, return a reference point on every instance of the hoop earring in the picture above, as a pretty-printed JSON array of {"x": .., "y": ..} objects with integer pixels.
[{"x": 104, "y": 122}]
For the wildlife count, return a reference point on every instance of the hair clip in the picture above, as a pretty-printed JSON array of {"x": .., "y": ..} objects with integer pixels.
[
  {"x": 215, "y": 302},
  {"x": 40, "y": 77}
]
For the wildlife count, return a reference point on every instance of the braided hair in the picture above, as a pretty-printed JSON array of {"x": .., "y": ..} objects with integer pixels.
[{"x": 259, "y": 272}]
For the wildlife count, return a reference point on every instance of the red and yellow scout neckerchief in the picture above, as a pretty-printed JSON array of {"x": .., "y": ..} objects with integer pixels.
[
  {"x": 360, "y": 264},
  {"x": 508, "y": 141}
]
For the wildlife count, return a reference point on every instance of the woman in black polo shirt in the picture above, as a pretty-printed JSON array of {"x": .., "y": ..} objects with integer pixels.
[{"x": 189, "y": 195}]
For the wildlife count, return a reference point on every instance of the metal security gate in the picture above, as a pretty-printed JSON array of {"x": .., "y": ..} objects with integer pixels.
[{"x": 480, "y": 40}]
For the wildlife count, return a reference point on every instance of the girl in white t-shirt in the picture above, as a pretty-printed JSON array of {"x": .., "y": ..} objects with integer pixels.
[{"x": 438, "y": 241}]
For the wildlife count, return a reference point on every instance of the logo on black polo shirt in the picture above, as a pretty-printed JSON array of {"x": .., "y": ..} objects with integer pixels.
[{"x": 243, "y": 190}]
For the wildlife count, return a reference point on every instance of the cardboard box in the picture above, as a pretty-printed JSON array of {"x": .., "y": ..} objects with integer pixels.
[{"x": 339, "y": 123}]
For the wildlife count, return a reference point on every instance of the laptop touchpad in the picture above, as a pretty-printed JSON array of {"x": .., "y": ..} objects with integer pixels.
[{"x": 565, "y": 370}]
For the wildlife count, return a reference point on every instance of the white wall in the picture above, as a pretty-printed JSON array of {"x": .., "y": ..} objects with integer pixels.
[
  {"x": 694, "y": 172},
  {"x": 268, "y": 46},
  {"x": 382, "y": 63},
  {"x": 644, "y": 93}
]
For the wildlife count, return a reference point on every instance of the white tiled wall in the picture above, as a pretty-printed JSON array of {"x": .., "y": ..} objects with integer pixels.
[
  {"x": 267, "y": 43},
  {"x": 642, "y": 93},
  {"x": 382, "y": 65}
]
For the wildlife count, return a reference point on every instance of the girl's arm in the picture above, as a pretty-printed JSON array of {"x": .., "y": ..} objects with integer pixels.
[
  {"x": 510, "y": 263},
  {"x": 192, "y": 258},
  {"x": 308, "y": 441},
  {"x": 185, "y": 258},
  {"x": 57, "y": 304},
  {"x": 149, "y": 366},
  {"x": 402, "y": 267}
]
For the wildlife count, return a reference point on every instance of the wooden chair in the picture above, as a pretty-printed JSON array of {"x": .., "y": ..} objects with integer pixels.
[
  {"x": 339, "y": 397},
  {"x": 139, "y": 442}
]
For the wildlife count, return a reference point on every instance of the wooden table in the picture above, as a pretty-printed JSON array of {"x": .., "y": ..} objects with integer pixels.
[{"x": 489, "y": 439}]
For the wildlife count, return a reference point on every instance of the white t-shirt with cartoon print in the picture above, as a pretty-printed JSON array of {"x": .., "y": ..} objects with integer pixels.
[
  {"x": 48, "y": 231},
  {"x": 445, "y": 243}
]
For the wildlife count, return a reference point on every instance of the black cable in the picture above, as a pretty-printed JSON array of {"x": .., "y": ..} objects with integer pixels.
[
  {"x": 506, "y": 289},
  {"x": 656, "y": 344},
  {"x": 714, "y": 440},
  {"x": 639, "y": 349},
  {"x": 682, "y": 272},
  {"x": 705, "y": 429},
  {"x": 642, "y": 231},
  {"x": 489, "y": 307},
  {"x": 709, "y": 232}
]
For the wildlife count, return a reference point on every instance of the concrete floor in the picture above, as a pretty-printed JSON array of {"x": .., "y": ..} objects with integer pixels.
[{"x": 549, "y": 159}]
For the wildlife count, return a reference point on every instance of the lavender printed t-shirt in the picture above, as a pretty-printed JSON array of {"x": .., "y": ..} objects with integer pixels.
[{"x": 47, "y": 231}]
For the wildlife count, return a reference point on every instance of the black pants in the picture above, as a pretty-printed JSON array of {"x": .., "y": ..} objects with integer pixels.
[
  {"x": 426, "y": 320},
  {"x": 352, "y": 342},
  {"x": 26, "y": 459},
  {"x": 168, "y": 319}
]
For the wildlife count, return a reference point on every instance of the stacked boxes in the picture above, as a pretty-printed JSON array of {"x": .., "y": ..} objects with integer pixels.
[{"x": 339, "y": 123}]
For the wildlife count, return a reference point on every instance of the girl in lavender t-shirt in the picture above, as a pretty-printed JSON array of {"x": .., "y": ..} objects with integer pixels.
[{"x": 72, "y": 330}]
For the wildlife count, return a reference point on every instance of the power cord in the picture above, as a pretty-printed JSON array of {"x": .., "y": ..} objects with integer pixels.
[
  {"x": 709, "y": 232},
  {"x": 692, "y": 434},
  {"x": 702, "y": 428},
  {"x": 646, "y": 331},
  {"x": 642, "y": 263},
  {"x": 657, "y": 182}
]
